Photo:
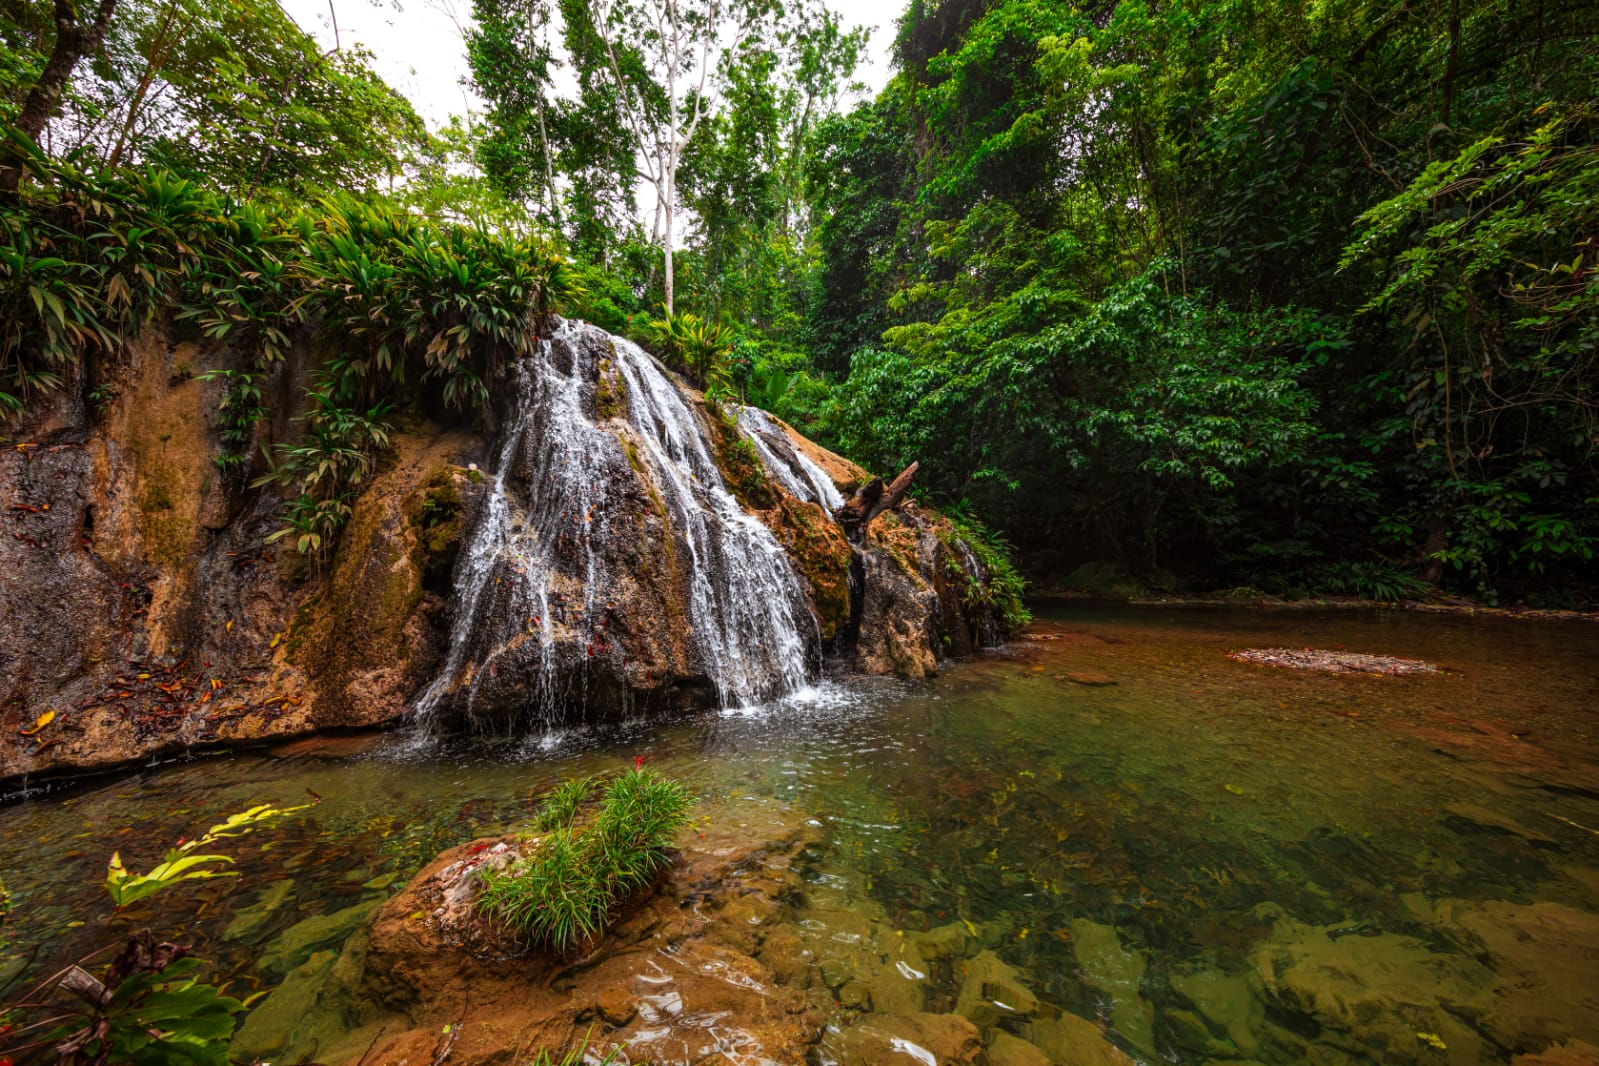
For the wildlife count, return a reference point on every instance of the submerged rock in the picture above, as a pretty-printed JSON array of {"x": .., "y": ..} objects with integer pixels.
[
  {"x": 910, "y": 1040},
  {"x": 675, "y": 979}
]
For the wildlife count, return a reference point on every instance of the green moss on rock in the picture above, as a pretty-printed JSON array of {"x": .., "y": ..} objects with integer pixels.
[
  {"x": 741, "y": 466},
  {"x": 821, "y": 554}
]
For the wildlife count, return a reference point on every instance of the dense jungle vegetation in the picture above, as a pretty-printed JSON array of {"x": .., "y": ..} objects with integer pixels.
[{"x": 1271, "y": 293}]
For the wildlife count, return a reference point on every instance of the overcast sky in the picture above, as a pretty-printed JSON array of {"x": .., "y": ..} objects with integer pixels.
[{"x": 420, "y": 53}]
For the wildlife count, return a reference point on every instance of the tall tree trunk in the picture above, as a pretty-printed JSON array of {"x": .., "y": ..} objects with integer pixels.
[
  {"x": 74, "y": 40},
  {"x": 666, "y": 239}
]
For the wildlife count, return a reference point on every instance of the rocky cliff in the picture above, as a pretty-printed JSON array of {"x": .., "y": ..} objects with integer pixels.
[{"x": 599, "y": 541}]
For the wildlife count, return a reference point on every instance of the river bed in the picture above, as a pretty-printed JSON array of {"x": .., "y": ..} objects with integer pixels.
[{"x": 1210, "y": 860}]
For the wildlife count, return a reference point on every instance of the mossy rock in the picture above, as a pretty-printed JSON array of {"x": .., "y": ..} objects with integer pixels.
[
  {"x": 437, "y": 509},
  {"x": 740, "y": 465},
  {"x": 610, "y": 392},
  {"x": 821, "y": 554}
]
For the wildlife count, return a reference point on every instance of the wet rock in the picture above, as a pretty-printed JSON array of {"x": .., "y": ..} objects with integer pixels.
[
  {"x": 1116, "y": 972},
  {"x": 299, "y": 941},
  {"x": 1473, "y": 817},
  {"x": 247, "y": 921},
  {"x": 1007, "y": 1050},
  {"x": 1225, "y": 1008},
  {"x": 991, "y": 991},
  {"x": 1072, "y": 1041},
  {"x": 1543, "y": 957},
  {"x": 944, "y": 941},
  {"x": 652, "y": 983},
  {"x": 785, "y": 953},
  {"x": 308, "y": 1010},
  {"x": 910, "y": 1040},
  {"x": 1570, "y": 1053},
  {"x": 854, "y": 995},
  {"x": 145, "y": 609},
  {"x": 1372, "y": 995}
]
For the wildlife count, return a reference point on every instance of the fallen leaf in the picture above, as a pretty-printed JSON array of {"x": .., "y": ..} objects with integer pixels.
[{"x": 39, "y": 723}]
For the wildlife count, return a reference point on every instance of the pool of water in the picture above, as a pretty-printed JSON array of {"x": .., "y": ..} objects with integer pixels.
[{"x": 1213, "y": 860}]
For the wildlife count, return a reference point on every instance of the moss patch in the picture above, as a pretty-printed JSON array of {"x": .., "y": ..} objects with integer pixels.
[
  {"x": 436, "y": 510},
  {"x": 741, "y": 466},
  {"x": 821, "y": 554},
  {"x": 610, "y": 392}
]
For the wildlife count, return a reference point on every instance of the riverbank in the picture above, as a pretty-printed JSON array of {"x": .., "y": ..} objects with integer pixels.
[{"x": 1255, "y": 598}]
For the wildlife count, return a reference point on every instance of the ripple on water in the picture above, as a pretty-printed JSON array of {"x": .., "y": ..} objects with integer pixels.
[{"x": 1207, "y": 859}]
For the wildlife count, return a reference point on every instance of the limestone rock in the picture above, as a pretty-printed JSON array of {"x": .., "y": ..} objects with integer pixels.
[
  {"x": 1117, "y": 972},
  {"x": 144, "y": 607},
  {"x": 1007, "y": 1050},
  {"x": 666, "y": 966},
  {"x": 910, "y": 1040},
  {"x": 992, "y": 991},
  {"x": 1072, "y": 1041},
  {"x": 1090, "y": 678},
  {"x": 1373, "y": 995},
  {"x": 1226, "y": 1010},
  {"x": 301, "y": 940}
]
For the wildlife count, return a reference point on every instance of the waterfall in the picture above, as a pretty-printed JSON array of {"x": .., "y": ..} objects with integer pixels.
[
  {"x": 791, "y": 466},
  {"x": 746, "y": 602},
  {"x": 542, "y": 586}
]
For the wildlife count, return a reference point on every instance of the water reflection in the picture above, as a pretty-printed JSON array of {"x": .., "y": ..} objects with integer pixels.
[{"x": 1207, "y": 859}]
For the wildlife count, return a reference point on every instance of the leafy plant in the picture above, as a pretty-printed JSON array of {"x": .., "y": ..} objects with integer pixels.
[
  {"x": 182, "y": 864},
  {"x": 564, "y": 890},
  {"x": 692, "y": 346},
  {"x": 1000, "y": 587},
  {"x": 1380, "y": 581},
  {"x": 147, "y": 1007}
]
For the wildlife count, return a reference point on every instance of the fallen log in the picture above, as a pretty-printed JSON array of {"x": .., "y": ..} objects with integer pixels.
[
  {"x": 858, "y": 508},
  {"x": 895, "y": 492},
  {"x": 872, "y": 499}
]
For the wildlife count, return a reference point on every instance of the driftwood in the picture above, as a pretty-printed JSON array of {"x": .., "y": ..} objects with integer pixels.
[{"x": 872, "y": 499}]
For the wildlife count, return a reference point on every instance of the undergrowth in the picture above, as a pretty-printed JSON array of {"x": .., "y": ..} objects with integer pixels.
[
  {"x": 1003, "y": 588},
  {"x": 604, "y": 839},
  {"x": 403, "y": 308}
]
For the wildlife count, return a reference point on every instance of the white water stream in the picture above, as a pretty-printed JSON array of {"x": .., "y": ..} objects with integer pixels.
[{"x": 533, "y": 566}]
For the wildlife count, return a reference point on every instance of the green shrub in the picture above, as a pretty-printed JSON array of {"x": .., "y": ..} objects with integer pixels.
[
  {"x": 603, "y": 841},
  {"x": 1002, "y": 591},
  {"x": 1370, "y": 581}
]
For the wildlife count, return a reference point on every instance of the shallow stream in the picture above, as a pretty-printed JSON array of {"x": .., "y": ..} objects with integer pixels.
[{"x": 1213, "y": 860}]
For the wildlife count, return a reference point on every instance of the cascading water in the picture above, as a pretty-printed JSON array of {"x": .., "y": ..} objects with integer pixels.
[
  {"x": 547, "y": 589},
  {"x": 746, "y": 602},
  {"x": 791, "y": 466}
]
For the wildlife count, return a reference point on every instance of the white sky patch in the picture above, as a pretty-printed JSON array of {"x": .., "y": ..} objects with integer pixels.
[{"x": 421, "y": 54}]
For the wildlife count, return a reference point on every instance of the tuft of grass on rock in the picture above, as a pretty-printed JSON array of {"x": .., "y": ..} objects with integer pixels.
[{"x": 592, "y": 856}]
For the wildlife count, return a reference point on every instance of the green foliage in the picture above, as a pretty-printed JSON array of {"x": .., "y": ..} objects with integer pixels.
[
  {"x": 234, "y": 94},
  {"x": 90, "y": 258},
  {"x": 562, "y": 802},
  {"x": 241, "y": 408},
  {"x": 1001, "y": 587},
  {"x": 691, "y": 345},
  {"x": 1233, "y": 289},
  {"x": 182, "y": 863},
  {"x": 147, "y": 1007},
  {"x": 1381, "y": 581},
  {"x": 563, "y": 892}
]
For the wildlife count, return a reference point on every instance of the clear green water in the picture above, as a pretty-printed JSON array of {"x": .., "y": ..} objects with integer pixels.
[{"x": 1200, "y": 823}]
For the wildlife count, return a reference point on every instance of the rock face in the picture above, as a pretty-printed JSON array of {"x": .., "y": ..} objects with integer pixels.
[{"x": 612, "y": 544}]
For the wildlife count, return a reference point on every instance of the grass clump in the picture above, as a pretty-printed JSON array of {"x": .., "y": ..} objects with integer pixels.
[{"x": 604, "y": 839}]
